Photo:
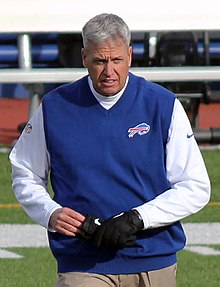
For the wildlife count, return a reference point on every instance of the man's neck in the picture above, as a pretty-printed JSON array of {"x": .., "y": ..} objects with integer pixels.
[{"x": 107, "y": 102}]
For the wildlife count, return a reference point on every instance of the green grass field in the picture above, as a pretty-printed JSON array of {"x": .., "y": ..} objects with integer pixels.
[{"x": 38, "y": 268}]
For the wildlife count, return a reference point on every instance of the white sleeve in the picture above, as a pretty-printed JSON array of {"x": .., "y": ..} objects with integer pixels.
[
  {"x": 186, "y": 171},
  {"x": 30, "y": 163}
]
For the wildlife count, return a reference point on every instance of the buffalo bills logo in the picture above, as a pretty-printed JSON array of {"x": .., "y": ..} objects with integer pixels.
[{"x": 140, "y": 129}]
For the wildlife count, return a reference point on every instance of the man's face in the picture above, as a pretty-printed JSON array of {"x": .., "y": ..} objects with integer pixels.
[{"x": 108, "y": 65}]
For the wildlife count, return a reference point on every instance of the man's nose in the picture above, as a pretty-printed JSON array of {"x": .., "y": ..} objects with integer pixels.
[{"x": 109, "y": 68}]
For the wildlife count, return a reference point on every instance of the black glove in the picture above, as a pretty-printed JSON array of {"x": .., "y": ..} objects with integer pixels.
[
  {"x": 89, "y": 226},
  {"x": 119, "y": 231}
]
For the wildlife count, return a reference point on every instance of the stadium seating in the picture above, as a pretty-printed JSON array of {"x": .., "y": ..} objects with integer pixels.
[
  {"x": 48, "y": 51},
  {"x": 52, "y": 51},
  {"x": 181, "y": 49},
  {"x": 44, "y": 50},
  {"x": 44, "y": 55}
]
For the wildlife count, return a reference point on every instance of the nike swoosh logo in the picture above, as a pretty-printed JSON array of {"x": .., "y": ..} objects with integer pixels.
[
  {"x": 189, "y": 136},
  {"x": 97, "y": 222}
]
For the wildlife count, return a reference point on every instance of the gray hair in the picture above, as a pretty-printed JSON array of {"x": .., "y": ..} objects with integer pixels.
[{"x": 104, "y": 26}]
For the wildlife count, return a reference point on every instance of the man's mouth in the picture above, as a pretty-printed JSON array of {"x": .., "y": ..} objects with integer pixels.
[{"x": 108, "y": 81}]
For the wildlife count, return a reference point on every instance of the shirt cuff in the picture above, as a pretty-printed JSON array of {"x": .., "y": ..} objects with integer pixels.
[{"x": 143, "y": 216}]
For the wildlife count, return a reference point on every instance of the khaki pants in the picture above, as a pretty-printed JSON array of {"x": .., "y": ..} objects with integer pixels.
[{"x": 165, "y": 277}]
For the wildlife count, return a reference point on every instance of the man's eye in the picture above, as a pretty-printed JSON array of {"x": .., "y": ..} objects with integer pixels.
[
  {"x": 117, "y": 61},
  {"x": 99, "y": 62}
]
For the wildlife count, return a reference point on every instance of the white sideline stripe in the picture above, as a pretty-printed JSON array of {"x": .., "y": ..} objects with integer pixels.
[
  {"x": 7, "y": 254},
  {"x": 32, "y": 235},
  {"x": 22, "y": 235},
  {"x": 202, "y": 233},
  {"x": 204, "y": 250}
]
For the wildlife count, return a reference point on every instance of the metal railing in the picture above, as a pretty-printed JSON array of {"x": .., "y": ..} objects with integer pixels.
[{"x": 156, "y": 74}]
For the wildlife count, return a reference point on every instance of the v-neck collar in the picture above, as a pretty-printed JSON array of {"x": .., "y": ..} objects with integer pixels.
[{"x": 107, "y": 103}]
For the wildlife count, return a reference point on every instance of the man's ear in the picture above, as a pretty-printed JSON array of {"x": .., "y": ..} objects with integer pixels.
[
  {"x": 130, "y": 56},
  {"x": 83, "y": 54}
]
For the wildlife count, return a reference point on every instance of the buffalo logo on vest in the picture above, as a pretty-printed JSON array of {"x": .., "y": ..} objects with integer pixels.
[{"x": 140, "y": 129}]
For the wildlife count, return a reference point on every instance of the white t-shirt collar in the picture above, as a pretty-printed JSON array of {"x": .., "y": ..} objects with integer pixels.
[{"x": 107, "y": 102}]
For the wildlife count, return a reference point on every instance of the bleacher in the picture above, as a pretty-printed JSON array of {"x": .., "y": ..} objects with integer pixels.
[
  {"x": 48, "y": 50},
  {"x": 44, "y": 52}
]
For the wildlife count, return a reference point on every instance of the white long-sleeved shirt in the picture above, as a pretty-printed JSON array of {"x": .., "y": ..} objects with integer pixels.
[{"x": 186, "y": 171}]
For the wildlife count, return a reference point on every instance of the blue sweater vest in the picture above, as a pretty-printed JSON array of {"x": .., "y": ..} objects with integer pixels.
[{"x": 104, "y": 162}]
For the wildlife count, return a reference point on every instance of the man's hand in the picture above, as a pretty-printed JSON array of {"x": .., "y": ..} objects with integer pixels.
[
  {"x": 66, "y": 221},
  {"x": 89, "y": 226},
  {"x": 119, "y": 231}
]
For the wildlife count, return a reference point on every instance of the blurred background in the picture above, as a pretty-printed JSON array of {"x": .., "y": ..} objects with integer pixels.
[{"x": 201, "y": 99}]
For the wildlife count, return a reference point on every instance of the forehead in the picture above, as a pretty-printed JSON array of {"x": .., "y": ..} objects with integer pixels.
[{"x": 107, "y": 47}]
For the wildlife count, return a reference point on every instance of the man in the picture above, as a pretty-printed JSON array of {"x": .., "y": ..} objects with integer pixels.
[{"x": 124, "y": 167}]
